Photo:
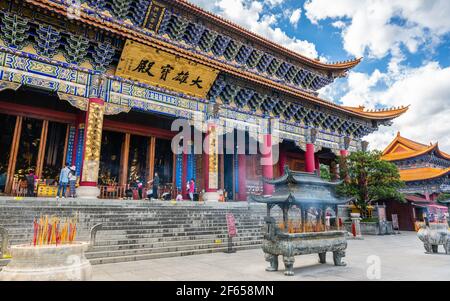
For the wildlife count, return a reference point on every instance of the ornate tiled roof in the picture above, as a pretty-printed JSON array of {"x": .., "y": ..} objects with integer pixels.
[
  {"x": 337, "y": 66},
  {"x": 423, "y": 173},
  {"x": 126, "y": 31},
  {"x": 402, "y": 148},
  {"x": 386, "y": 113}
]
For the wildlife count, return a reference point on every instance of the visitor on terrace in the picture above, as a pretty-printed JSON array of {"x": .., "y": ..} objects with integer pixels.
[
  {"x": 191, "y": 189},
  {"x": 63, "y": 182},
  {"x": 73, "y": 181},
  {"x": 155, "y": 184},
  {"x": 31, "y": 179}
]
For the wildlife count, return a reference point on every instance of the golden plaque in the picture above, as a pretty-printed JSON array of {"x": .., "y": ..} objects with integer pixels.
[{"x": 159, "y": 68}]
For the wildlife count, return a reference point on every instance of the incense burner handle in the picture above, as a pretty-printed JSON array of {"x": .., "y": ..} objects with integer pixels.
[{"x": 94, "y": 230}]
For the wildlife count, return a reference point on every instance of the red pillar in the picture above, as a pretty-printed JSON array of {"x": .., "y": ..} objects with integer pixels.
[
  {"x": 242, "y": 177},
  {"x": 267, "y": 167},
  {"x": 310, "y": 163}
]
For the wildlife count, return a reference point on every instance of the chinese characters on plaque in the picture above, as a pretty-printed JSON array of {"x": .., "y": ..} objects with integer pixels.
[
  {"x": 162, "y": 69},
  {"x": 93, "y": 142},
  {"x": 213, "y": 164},
  {"x": 154, "y": 16}
]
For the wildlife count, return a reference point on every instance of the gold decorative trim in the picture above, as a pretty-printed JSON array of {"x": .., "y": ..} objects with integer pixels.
[
  {"x": 75, "y": 101},
  {"x": 6, "y": 85}
]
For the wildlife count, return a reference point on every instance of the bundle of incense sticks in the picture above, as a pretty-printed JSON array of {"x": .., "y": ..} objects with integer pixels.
[{"x": 54, "y": 230}]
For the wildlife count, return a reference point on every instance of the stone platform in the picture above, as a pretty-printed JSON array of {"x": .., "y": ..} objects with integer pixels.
[
  {"x": 139, "y": 230},
  {"x": 389, "y": 258}
]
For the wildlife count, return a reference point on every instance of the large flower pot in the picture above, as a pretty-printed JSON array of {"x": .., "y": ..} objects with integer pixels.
[{"x": 48, "y": 263}]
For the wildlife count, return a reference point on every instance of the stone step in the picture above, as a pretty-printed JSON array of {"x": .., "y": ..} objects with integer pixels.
[
  {"x": 169, "y": 254},
  {"x": 135, "y": 230},
  {"x": 169, "y": 249},
  {"x": 151, "y": 240},
  {"x": 121, "y": 245},
  {"x": 132, "y": 222},
  {"x": 146, "y": 229}
]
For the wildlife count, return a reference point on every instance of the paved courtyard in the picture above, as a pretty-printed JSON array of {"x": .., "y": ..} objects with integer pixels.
[{"x": 400, "y": 257}]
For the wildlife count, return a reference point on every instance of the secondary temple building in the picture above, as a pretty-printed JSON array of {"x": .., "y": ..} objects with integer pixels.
[
  {"x": 97, "y": 84},
  {"x": 425, "y": 170}
]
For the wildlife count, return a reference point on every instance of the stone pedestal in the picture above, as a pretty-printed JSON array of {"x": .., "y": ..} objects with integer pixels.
[
  {"x": 88, "y": 192},
  {"x": 48, "y": 263},
  {"x": 211, "y": 196},
  {"x": 356, "y": 225}
]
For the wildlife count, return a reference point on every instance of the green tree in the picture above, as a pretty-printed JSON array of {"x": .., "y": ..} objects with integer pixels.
[
  {"x": 325, "y": 172},
  {"x": 370, "y": 179}
]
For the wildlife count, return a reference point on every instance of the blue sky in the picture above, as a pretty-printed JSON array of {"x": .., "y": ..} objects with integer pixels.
[{"x": 405, "y": 45}]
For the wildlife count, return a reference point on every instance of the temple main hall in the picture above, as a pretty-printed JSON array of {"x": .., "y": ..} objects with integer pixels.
[{"x": 98, "y": 85}]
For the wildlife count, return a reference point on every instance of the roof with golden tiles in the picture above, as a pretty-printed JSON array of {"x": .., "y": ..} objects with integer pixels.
[
  {"x": 423, "y": 173},
  {"x": 402, "y": 148}
]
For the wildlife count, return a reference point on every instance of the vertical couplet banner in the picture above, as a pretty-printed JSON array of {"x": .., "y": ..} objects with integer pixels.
[
  {"x": 213, "y": 164},
  {"x": 91, "y": 163}
]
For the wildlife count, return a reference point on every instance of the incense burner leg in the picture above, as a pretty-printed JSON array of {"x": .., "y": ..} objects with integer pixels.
[
  {"x": 427, "y": 247},
  {"x": 273, "y": 260},
  {"x": 289, "y": 265},
  {"x": 337, "y": 257},
  {"x": 323, "y": 257},
  {"x": 447, "y": 246},
  {"x": 434, "y": 248}
]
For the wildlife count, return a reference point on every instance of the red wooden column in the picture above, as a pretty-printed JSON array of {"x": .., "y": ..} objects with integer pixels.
[
  {"x": 91, "y": 149},
  {"x": 310, "y": 161},
  {"x": 242, "y": 177},
  {"x": 267, "y": 168}
]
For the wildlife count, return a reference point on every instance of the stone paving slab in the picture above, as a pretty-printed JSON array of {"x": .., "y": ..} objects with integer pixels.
[{"x": 401, "y": 257}]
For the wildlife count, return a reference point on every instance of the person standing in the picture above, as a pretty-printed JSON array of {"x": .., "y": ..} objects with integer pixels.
[
  {"x": 31, "y": 179},
  {"x": 191, "y": 189},
  {"x": 63, "y": 182},
  {"x": 73, "y": 181},
  {"x": 2, "y": 179},
  {"x": 155, "y": 185},
  {"x": 139, "y": 186}
]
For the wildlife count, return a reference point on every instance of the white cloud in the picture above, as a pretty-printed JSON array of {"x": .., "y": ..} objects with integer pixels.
[
  {"x": 295, "y": 17},
  {"x": 254, "y": 16},
  {"x": 426, "y": 89},
  {"x": 273, "y": 2},
  {"x": 338, "y": 24},
  {"x": 371, "y": 30}
]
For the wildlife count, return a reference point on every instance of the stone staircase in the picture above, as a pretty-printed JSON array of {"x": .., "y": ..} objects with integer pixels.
[{"x": 139, "y": 230}]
